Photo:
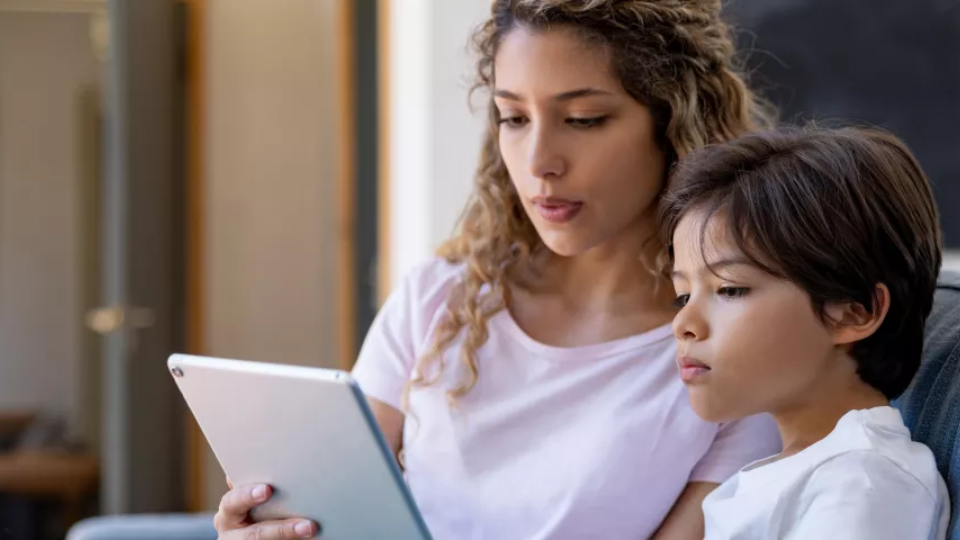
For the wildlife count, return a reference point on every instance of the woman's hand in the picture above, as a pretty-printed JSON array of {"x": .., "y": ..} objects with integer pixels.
[{"x": 233, "y": 518}]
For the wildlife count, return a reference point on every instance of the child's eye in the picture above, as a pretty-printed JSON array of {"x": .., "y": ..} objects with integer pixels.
[
  {"x": 732, "y": 292},
  {"x": 513, "y": 122},
  {"x": 587, "y": 122},
  {"x": 681, "y": 300}
]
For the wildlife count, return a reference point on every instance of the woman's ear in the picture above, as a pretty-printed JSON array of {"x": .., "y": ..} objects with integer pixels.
[{"x": 852, "y": 322}]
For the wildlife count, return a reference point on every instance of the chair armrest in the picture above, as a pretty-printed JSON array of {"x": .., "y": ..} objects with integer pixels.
[{"x": 145, "y": 527}]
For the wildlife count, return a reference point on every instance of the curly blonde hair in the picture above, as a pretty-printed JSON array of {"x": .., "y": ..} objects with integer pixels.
[{"x": 677, "y": 57}]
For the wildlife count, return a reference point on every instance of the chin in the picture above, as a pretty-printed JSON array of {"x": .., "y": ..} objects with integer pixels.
[
  {"x": 709, "y": 410},
  {"x": 564, "y": 245},
  {"x": 562, "y": 248}
]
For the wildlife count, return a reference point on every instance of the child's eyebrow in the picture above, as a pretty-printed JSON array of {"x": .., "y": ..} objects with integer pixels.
[
  {"x": 716, "y": 266},
  {"x": 738, "y": 260}
]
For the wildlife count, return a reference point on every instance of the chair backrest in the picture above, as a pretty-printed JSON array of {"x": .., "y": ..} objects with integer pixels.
[{"x": 931, "y": 406}]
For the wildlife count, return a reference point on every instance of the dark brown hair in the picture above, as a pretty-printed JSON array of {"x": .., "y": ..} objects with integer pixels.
[
  {"x": 677, "y": 57},
  {"x": 836, "y": 212}
]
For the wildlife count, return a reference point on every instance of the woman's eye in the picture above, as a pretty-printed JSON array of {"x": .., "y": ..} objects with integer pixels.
[
  {"x": 587, "y": 122},
  {"x": 513, "y": 121},
  {"x": 732, "y": 292},
  {"x": 681, "y": 300}
]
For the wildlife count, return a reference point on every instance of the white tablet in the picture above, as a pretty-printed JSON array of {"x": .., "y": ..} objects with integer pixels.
[{"x": 309, "y": 434}]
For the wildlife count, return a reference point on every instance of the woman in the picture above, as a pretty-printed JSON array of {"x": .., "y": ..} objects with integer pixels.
[{"x": 526, "y": 379}]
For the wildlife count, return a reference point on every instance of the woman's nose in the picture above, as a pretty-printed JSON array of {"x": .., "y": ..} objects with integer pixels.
[{"x": 545, "y": 160}]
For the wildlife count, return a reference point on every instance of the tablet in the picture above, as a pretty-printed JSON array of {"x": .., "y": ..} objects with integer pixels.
[{"x": 308, "y": 433}]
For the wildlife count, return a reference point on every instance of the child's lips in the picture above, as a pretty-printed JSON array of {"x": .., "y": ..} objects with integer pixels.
[{"x": 691, "y": 369}]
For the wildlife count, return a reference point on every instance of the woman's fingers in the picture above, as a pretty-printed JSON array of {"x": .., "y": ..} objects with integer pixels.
[
  {"x": 287, "y": 529},
  {"x": 236, "y": 504}
]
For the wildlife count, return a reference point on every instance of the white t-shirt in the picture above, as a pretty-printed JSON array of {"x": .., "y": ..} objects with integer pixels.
[
  {"x": 866, "y": 480},
  {"x": 552, "y": 443}
]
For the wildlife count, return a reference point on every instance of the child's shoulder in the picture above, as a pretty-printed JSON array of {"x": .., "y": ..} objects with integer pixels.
[
  {"x": 870, "y": 480},
  {"x": 890, "y": 444},
  {"x": 882, "y": 473},
  {"x": 872, "y": 493},
  {"x": 875, "y": 443},
  {"x": 877, "y": 439}
]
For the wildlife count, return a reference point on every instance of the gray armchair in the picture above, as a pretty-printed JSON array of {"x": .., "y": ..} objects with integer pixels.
[{"x": 145, "y": 527}]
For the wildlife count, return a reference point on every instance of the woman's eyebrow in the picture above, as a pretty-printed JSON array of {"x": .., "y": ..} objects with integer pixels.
[{"x": 562, "y": 96}]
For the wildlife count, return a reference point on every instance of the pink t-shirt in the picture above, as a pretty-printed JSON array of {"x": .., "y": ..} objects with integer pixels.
[{"x": 586, "y": 442}]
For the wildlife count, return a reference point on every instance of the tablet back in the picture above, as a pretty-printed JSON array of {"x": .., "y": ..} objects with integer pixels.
[{"x": 309, "y": 434}]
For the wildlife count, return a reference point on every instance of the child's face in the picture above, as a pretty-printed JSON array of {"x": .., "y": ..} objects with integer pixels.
[{"x": 748, "y": 342}]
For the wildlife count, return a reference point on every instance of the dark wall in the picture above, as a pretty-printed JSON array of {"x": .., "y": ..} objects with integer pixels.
[
  {"x": 367, "y": 144},
  {"x": 891, "y": 63}
]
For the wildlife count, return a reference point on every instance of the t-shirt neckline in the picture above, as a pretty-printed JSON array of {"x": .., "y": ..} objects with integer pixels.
[{"x": 592, "y": 352}]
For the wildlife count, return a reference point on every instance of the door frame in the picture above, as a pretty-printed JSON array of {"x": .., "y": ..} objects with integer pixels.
[
  {"x": 384, "y": 180},
  {"x": 194, "y": 87},
  {"x": 346, "y": 180}
]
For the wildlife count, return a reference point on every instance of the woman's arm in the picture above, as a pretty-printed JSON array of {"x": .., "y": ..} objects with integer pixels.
[
  {"x": 390, "y": 421},
  {"x": 736, "y": 444},
  {"x": 685, "y": 520}
]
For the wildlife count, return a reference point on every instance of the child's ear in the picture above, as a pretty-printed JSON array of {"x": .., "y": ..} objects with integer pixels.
[{"x": 852, "y": 322}]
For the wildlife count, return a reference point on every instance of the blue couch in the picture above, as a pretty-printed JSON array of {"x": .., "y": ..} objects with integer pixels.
[{"x": 930, "y": 407}]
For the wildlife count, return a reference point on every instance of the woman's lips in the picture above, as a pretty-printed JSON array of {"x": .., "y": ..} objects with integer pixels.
[{"x": 557, "y": 210}]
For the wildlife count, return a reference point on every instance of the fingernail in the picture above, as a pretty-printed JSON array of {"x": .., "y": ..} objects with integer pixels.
[
  {"x": 304, "y": 529},
  {"x": 260, "y": 493}
]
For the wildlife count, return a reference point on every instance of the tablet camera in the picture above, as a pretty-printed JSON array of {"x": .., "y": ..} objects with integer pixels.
[{"x": 177, "y": 372}]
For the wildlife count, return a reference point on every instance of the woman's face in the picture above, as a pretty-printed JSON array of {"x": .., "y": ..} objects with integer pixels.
[{"x": 581, "y": 152}]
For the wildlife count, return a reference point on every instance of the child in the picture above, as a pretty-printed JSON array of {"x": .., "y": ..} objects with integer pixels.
[{"x": 804, "y": 262}]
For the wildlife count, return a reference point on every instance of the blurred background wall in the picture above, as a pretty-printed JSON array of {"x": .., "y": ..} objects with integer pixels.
[
  {"x": 271, "y": 166},
  {"x": 49, "y": 73},
  {"x": 271, "y": 213}
]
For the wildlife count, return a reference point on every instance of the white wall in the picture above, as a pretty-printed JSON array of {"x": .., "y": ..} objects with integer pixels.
[
  {"x": 270, "y": 181},
  {"x": 45, "y": 59},
  {"x": 271, "y": 185},
  {"x": 434, "y": 137}
]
